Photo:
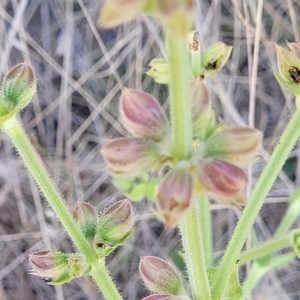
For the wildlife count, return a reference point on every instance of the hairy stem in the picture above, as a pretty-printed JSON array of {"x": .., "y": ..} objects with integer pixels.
[
  {"x": 180, "y": 79},
  {"x": 264, "y": 184},
  {"x": 192, "y": 241},
  {"x": 206, "y": 230},
  {"x": 268, "y": 247},
  {"x": 37, "y": 169}
]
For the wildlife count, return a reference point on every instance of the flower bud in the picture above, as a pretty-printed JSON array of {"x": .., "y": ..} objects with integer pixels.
[
  {"x": 288, "y": 62},
  {"x": 176, "y": 15},
  {"x": 175, "y": 195},
  {"x": 202, "y": 114},
  {"x": 159, "y": 70},
  {"x": 142, "y": 114},
  {"x": 18, "y": 87},
  {"x": 159, "y": 276},
  {"x": 115, "y": 227},
  {"x": 130, "y": 157},
  {"x": 238, "y": 145},
  {"x": 117, "y": 12},
  {"x": 221, "y": 180},
  {"x": 166, "y": 297},
  {"x": 58, "y": 267},
  {"x": 86, "y": 217},
  {"x": 214, "y": 58}
]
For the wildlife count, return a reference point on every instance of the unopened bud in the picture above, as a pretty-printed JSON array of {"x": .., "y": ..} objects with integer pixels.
[
  {"x": 117, "y": 12},
  {"x": 57, "y": 267},
  {"x": 221, "y": 180},
  {"x": 18, "y": 87},
  {"x": 214, "y": 58},
  {"x": 238, "y": 145},
  {"x": 115, "y": 227},
  {"x": 288, "y": 62},
  {"x": 86, "y": 217},
  {"x": 142, "y": 114},
  {"x": 130, "y": 157},
  {"x": 175, "y": 195},
  {"x": 159, "y": 70},
  {"x": 166, "y": 297},
  {"x": 202, "y": 114},
  {"x": 159, "y": 276}
]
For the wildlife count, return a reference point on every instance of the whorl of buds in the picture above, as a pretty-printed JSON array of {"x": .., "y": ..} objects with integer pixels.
[
  {"x": 288, "y": 61},
  {"x": 57, "y": 267},
  {"x": 175, "y": 195},
  {"x": 87, "y": 218},
  {"x": 238, "y": 145},
  {"x": 130, "y": 157},
  {"x": 142, "y": 115},
  {"x": 18, "y": 87},
  {"x": 160, "y": 277},
  {"x": 214, "y": 58},
  {"x": 221, "y": 180},
  {"x": 114, "y": 228}
]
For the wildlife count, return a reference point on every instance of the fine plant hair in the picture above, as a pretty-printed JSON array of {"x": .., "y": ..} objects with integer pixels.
[{"x": 85, "y": 69}]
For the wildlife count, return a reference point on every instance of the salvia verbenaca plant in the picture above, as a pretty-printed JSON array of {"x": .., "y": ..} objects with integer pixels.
[{"x": 177, "y": 162}]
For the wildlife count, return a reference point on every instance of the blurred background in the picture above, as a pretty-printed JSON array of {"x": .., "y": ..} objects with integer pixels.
[{"x": 79, "y": 69}]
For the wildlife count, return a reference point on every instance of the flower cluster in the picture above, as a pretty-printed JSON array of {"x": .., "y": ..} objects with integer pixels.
[
  {"x": 58, "y": 268},
  {"x": 107, "y": 231},
  {"x": 213, "y": 168},
  {"x": 161, "y": 278},
  {"x": 104, "y": 233}
]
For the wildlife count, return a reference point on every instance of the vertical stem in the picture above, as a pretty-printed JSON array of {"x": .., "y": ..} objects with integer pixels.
[
  {"x": 102, "y": 278},
  {"x": 194, "y": 254},
  {"x": 180, "y": 80},
  {"x": 37, "y": 169},
  {"x": 265, "y": 182},
  {"x": 180, "y": 104},
  {"x": 206, "y": 230}
]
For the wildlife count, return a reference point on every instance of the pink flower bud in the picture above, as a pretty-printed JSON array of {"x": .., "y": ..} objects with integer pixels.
[
  {"x": 86, "y": 217},
  {"x": 115, "y": 226},
  {"x": 142, "y": 114},
  {"x": 130, "y": 157},
  {"x": 58, "y": 267},
  {"x": 166, "y": 297},
  {"x": 238, "y": 145},
  {"x": 221, "y": 179},
  {"x": 18, "y": 86},
  {"x": 159, "y": 276},
  {"x": 175, "y": 195}
]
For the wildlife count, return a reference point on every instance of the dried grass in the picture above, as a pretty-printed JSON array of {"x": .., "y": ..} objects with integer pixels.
[{"x": 80, "y": 70}]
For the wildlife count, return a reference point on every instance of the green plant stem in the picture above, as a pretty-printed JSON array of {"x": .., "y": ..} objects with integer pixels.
[
  {"x": 289, "y": 218},
  {"x": 37, "y": 169},
  {"x": 267, "y": 248},
  {"x": 264, "y": 184},
  {"x": 194, "y": 254},
  {"x": 257, "y": 272},
  {"x": 180, "y": 104},
  {"x": 101, "y": 275},
  {"x": 206, "y": 230}
]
